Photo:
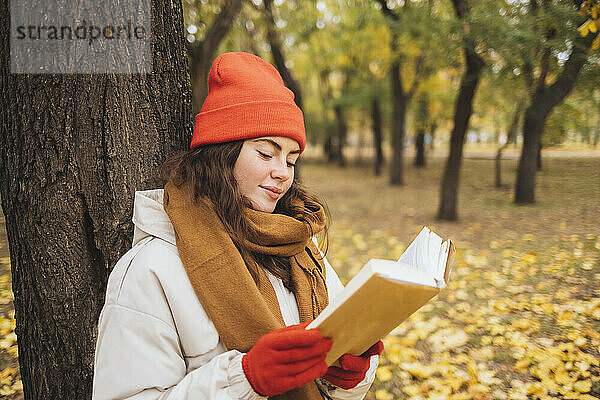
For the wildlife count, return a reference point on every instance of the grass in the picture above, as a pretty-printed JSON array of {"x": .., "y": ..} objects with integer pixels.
[{"x": 567, "y": 196}]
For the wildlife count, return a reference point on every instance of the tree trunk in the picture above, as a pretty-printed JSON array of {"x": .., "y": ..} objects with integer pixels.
[
  {"x": 432, "y": 130},
  {"x": 597, "y": 133},
  {"x": 74, "y": 149},
  {"x": 539, "y": 155},
  {"x": 525, "y": 187},
  {"x": 462, "y": 114},
  {"x": 510, "y": 136},
  {"x": 277, "y": 53},
  {"x": 342, "y": 130},
  {"x": 398, "y": 124},
  {"x": 498, "y": 168},
  {"x": 399, "y": 103},
  {"x": 422, "y": 123},
  {"x": 377, "y": 135},
  {"x": 420, "y": 147},
  {"x": 279, "y": 60},
  {"x": 543, "y": 101},
  {"x": 202, "y": 52},
  {"x": 330, "y": 146}
]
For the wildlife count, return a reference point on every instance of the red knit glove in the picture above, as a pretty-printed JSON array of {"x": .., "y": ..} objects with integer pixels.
[
  {"x": 285, "y": 359},
  {"x": 354, "y": 368}
]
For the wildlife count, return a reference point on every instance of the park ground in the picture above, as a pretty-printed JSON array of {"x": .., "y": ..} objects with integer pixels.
[{"x": 520, "y": 318}]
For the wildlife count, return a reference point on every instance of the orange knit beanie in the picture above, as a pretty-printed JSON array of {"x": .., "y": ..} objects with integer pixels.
[{"x": 246, "y": 99}]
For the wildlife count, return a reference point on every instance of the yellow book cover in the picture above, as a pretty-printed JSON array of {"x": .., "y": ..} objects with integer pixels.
[{"x": 384, "y": 294}]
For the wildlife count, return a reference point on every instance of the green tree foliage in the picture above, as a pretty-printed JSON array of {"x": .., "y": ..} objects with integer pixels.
[{"x": 340, "y": 53}]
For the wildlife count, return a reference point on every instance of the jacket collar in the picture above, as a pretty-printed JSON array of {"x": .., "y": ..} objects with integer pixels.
[{"x": 150, "y": 218}]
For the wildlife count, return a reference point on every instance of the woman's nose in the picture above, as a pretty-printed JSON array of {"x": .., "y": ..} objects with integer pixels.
[{"x": 281, "y": 171}]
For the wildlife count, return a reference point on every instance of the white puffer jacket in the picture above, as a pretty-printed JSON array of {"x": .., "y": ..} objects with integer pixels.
[{"x": 155, "y": 340}]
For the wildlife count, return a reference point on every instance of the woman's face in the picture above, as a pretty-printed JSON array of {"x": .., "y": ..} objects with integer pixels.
[{"x": 264, "y": 170}]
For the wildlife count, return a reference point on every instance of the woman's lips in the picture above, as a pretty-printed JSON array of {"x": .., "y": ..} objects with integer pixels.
[{"x": 272, "y": 191}]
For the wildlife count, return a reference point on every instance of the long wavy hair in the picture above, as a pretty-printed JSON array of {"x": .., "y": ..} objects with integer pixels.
[{"x": 208, "y": 171}]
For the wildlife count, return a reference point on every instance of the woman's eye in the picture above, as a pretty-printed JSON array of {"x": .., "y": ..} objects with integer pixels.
[
  {"x": 290, "y": 164},
  {"x": 265, "y": 155}
]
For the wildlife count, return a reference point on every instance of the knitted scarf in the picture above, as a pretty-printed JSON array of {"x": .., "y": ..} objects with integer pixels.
[{"x": 241, "y": 309}]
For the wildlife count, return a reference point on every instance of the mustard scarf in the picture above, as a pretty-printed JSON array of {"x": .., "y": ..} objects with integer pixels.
[{"x": 241, "y": 309}]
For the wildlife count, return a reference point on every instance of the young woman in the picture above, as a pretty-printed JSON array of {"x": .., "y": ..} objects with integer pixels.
[{"x": 224, "y": 274}]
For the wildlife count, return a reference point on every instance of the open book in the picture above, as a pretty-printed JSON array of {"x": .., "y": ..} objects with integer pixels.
[{"x": 384, "y": 293}]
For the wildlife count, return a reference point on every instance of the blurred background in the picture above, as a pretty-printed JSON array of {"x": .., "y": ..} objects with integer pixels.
[{"x": 480, "y": 119}]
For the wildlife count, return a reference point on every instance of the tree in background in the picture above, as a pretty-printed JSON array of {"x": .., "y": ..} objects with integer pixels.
[
  {"x": 377, "y": 134},
  {"x": 277, "y": 53},
  {"x": 502, "y": 97},
  {"x": 400, "y": 95},
  {"x": 463, "y": 109},
  {"x": 511, "y": 135},
  {"x": 422, "y": 122},
  {"x": 560, "y": 39},
  {"x": 202, "y": 45},
  {"x": 345, "y": 92},
  {"x": 74, "y": 149}
]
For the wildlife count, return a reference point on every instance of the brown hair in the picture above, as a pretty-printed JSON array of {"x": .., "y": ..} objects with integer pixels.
[{"x": 208, "y": 171}]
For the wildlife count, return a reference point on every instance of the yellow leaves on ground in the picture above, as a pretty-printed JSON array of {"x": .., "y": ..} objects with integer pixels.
[
  {"x": 10, "y": 383},
  {"x": 6, "y": 294},
  {"x": 448, "y": 339},
  {"x": 8, "y": 339},
  {"x": 516, "y": 322}
]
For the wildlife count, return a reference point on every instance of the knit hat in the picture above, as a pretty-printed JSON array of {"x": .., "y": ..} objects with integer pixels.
[{"x": 246, "y": 99}]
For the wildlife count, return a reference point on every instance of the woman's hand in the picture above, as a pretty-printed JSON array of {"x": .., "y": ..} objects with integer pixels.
[
  {"x": 354, "y": 368},
  {"x": 285, "y": 359}
]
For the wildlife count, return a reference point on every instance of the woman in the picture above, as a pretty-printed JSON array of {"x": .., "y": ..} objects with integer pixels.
[{"x": 224, "y": 274}]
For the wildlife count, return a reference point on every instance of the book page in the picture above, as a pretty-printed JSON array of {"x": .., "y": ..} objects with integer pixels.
[
  {"x": 400, "y": 272},
  {"x": 441, "y": 265},
  {"x": 413, "y": 251},
  {"x": 430, "y": 260}
]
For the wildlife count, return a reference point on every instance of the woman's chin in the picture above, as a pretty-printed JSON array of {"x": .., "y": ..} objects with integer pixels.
[{"x": 264, "y": 206}]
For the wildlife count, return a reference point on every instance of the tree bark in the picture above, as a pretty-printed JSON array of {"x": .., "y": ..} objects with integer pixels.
[
  {"x": 201, "y": 53},
  {"x": 329, "y": 144},
  {"x": 398, "y": 123},
  {"x": 329, "y": 147},
  {"x": 279, "y": 60},
  {"x": 342, "y": 130},
  {"x": 597, "y": 133},
  {"x": 462, "y": 114},
  {"x": 544, "y": 100},
  {"x": 432, "y": 130},
  {"x": 420, "y": 147},
  {"x": 74, "y": 149},
  {"x": 498, "y": 168},
  {"x": 422, "y": 123},
  {"x": 510, "y": 135},
  {"x": 277, "y": 53},
  {"x": 401, "y": 99},
  {"x": 377, "y": 135}
]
